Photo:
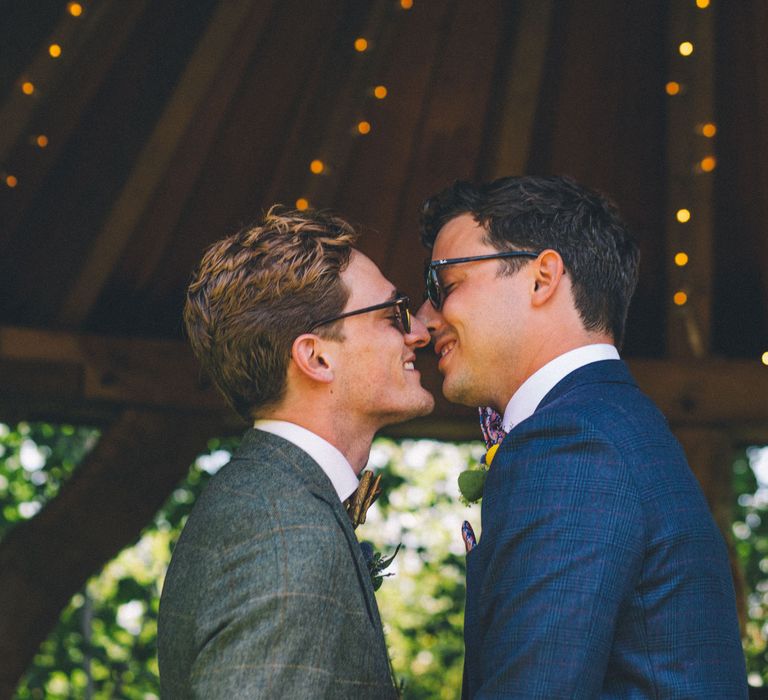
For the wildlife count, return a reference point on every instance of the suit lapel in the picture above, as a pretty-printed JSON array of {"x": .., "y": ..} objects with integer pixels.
[{"x": 319, "y": 485}]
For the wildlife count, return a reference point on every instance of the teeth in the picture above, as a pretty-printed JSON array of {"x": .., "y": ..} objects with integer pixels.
[
  {"x": 408, "y": 365},
  {"x": 444, "y": 351}
]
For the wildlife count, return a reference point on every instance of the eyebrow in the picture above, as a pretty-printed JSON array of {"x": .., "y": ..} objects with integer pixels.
[{"x": 396, "y": 293}]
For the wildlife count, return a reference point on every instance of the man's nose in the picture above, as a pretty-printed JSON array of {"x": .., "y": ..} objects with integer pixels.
[
  {"x": 428, "y": 316},
  {"x": 419, "y": 335}
]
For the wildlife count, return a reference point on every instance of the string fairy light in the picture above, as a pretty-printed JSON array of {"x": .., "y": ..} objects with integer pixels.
[
  {"x": 708, "y": 164},
  {"x": 30, "y": 86},
  {"x": 358, "y": 127}
]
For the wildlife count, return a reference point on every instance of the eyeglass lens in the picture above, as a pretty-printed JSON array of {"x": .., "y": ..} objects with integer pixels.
[{"x": 403, "y": 315}]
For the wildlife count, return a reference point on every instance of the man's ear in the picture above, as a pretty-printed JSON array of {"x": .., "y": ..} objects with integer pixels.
[
  {"x": 548, "y": 272},
  {"x": 311, "y": 357}
]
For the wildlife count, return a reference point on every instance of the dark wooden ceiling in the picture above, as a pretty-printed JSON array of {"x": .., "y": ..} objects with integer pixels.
[{"x": 172, "y": 123}]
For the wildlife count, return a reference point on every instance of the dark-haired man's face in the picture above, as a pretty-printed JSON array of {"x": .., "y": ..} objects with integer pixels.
[{"x": 480, "y": 333}]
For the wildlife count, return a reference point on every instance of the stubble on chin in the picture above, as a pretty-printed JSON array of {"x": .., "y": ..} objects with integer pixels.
[
  {"x": 417, "y": 409},
  {"x": 458, "y": 392},
  {"x": 425, "y": 406}
]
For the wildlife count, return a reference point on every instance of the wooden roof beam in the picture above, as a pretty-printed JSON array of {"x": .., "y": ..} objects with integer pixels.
[
  {"x": 521, "y": 90},
  {"x": 62, "y": 375},
  {"x": 153, "y": 161}
]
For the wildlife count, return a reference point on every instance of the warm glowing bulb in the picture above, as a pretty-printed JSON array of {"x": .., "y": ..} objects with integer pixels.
[
  {"x": 406, "y": 4},
  {"x": 708, "y": 164},
  {"x": 765, "y": 358},
  {"x": 672, "y": 88},
  {"x": 361, "y": 44},
  {"x": 302, "y": 204},
  {"x": 364, "y": 127},
  {"x": 75, "y": 9},
  {"x": 42, "y": 140},
  {"x": 11, "y": 181},
  {"x": 681, "y": 259},
  {"x": 27, "y": 88},
  {"x": 317, "y": 166},
  {"x": 683, "y": 216},
  {"x": 54, "y": 50},
  {"x": 708, "y": 130},
  {"x": 380, "y": 92},
  {"x": 702, "y": 4},
  {"x": 680, "y": 298},
  {"x": 686, "y": 48}
]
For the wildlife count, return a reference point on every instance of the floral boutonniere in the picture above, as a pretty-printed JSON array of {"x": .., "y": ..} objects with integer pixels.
[
  {"x": 472, "y": 481},
  {"x": 377, "y": 563}
]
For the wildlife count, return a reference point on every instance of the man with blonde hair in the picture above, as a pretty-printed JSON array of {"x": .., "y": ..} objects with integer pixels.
[{"x": 267, "y": 594}]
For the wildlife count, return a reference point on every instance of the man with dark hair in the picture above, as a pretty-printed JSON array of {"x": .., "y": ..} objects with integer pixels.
[
  {"x": 599, "y": 572},
  {"x": 267, "y": 594}
]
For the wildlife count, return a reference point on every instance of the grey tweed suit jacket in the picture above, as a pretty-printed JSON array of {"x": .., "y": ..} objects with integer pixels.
[{"x": 267, "y": 594}]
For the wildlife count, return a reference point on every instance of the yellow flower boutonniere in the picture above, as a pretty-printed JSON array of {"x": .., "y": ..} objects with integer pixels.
[{"x": 472, "y": 481}]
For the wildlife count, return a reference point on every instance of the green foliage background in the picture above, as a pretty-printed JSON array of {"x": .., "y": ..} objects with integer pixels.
[
  {"x": 105, "y": 643},
  {"x": 750, "y": 530}
]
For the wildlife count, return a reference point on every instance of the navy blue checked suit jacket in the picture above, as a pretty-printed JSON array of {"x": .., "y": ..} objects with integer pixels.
[{"x": 600, "y": 572}]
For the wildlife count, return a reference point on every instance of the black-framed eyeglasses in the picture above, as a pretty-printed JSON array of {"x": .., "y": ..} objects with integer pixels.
[
  {"x": 401, "y": 307},
  {"x": 434, "y": 290}
]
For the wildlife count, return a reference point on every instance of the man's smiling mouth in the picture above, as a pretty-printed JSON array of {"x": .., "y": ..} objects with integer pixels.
[{"x": 444, "y": 348}]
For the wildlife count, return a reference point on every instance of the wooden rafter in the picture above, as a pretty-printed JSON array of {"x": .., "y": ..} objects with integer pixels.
[
  {"x": 522, "y": 86},
  {"x": 153, "y": 161},
  {"x": 102, "y": 32},
  {"x": 43, "y": 370},
  {"x": 114, "y": 493}
]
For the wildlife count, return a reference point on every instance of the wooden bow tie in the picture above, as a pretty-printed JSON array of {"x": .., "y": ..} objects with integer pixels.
[{"x": 361, "y": 500}]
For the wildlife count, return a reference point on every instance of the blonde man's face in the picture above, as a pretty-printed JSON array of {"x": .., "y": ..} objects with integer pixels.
[{"x": 375, "y": 370}]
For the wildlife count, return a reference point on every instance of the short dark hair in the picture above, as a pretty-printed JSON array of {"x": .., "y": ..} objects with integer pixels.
[
  {"x": 535, "y": 213},
  {"x": 259, "y": 289}
]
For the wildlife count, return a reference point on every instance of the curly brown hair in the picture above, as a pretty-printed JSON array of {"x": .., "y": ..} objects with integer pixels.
[{"x": 256, "y": 291}]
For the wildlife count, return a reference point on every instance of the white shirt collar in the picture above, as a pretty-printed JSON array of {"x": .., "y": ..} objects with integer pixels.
[
  {"x": 332, "y": 462},
  {"x": 526, "y": 399}
]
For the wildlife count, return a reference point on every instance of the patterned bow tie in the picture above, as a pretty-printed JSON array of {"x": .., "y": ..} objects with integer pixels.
[
  {"x": 491, "y": 426},
  {"x": 362, "y": 499}
]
